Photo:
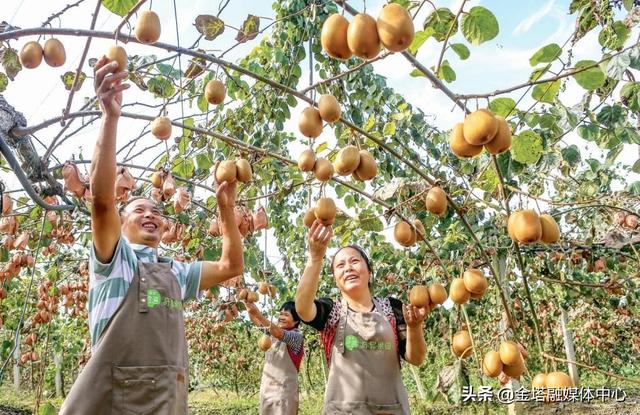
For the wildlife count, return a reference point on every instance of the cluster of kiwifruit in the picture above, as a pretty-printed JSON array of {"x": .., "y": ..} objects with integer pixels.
[
  {"x": 481, "y": 129},
  {"x": 509, "y": 359},
  {"x": 324, "y": 211},
  {"x": 407, "y": 235},
  {"x": 53, "y": 53},
  {"x": 526, "y": 226},
  {"x": 265, "y": 288},
  {"x": 232, "y": 170},
  {"x": 248, "y": 296},
  {"x": 311, "y": 118},
  {"x": 473, "y": 284},
  {"x": 553, "y": 380},
  {"x": 359, "y": 163},
  {"x": 362, "y": 37},
  {"x": 427, "y": 296}
]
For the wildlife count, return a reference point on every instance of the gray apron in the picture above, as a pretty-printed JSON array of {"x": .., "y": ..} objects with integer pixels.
[
  {"x": 279, "y": 384},
  {"x": 139, "y": 365},
  {"x": 364, "y": 373}
]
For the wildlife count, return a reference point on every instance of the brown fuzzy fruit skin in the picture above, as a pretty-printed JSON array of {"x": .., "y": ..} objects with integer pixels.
[
  {"x": 325, "y": 210},
  {"x": 395, "y": 27},
  {"x": 243, "y": 294},
  {"x": 459, "y": 146},
  {"x": 539, "y": 381},
  {"x": 148, "y": 27},
  {"x": 329, "y": 108},
  {"x": 437, "y": 293},
  {"x": 161, "y": 128},
  {"x": 420, "y": 231},
  {"x": 31, "y": 55},
  {"x": 419, "y": 296},
  {"x": 631, "y": 221},
  {"x": 54, "y": 54},
  {"x": 458, "y": 292},
  {"x": 252, "y": 297},
  {"x": 368, "y": 168},
  {"x": 509, "y": 353},
  {"x": 347, "y": 160},
  {"x": 323, "y": 169},
  {"x": 226, "y": 171},
  {"x": 550, "y": 230},
  {"x": 403, "y": 233},
  {"x": 479, "y": 127},
  {"x": 264, "y": 343},
  {"x": 362, "y": 36},
  {"x": 474, "y": 281},
  {"x": 436, "y": 201},
  {"x": 307, "y": 160},
  {"x": 309, "y": 217},
  {"x": 118, "y": 54},
  {"x": 333, "y": 37},
  {"x": 310, "y": 122},
  {"x": 244, "y": 172},
  {"x": 524, "y": 226},
  {"x": 491, "y": 364},
  {"x": 462, "y": 344},
  {"x": 263, "y": 288},
  {"x": 156, "y": 179},
  {"x": 215, "y": 92},
  {"x": 515, "y": 370},
  {"x": 501, "y": 142},
  {"x": 558, "y": 380}
]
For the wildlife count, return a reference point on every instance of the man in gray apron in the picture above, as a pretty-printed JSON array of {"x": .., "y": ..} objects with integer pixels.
[{"x": 139, "y": 360}]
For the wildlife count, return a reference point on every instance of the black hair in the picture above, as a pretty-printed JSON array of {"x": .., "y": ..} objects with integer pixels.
[
  {"x": 133, "y": 199},
  {"x": 290, "y": 306},
  {"x": 362, "y": 253}
]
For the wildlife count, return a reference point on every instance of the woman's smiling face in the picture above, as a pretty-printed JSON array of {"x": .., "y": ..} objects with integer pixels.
[{"x": 350, "y": 270}]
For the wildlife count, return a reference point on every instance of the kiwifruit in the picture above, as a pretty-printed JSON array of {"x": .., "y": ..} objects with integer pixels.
[
  {"x": 263, "y": 288},
  {"x": 550, "y": 230},
  {"x": 252, "y": 297},
  {"x": 333, "y": 37},
  {"x": 419, "y": 296},
  {"x": 54, "y": 53},
  {"x": 264, "y": 343},
  {"x": 310, "y": 122},
  {"x": 491, "y": 364},
  {"x": 458, "y": 292},
  {"x": 272, "y": 291},
  {"x": 329, "y": 108},
  {"x": 479, "y": 127},
  {"x": 437, "y": 293},
  {"x": 460, "y": 146},
  {"x": 31, "y": 55},
  {"x": 539, "y": 381},
  {"x": 325, "y": 210},
  {"x": 148, "y": 27},
  {"x": 309, "y": 217},
  {"x": 118, "y": 54},
  {"x": 436, "y": 201},
  {"x": 501, "y": 142},
  {"x": 525, "y": 226},
  {"x": 514, "y": 370},
  {"x": 558, "y": 380},
  {"x": 307, "y": 160},
  {"x": 368, "y": 168},
  {"x": 323, "y": 169},
  {"x": 243, "y": 171},
  {"x": 395, "y": 27},
  {"x": 474, "y": 281},
  {"x": 156, "y": 179},
  {"x": 362, "y": 36},
  {"x": 226, "y": 171},
  {"x": 461, "y": 344},
  {"x": 509, "y": 353},
  {"x": 420, "y": 231},
  {"x": 214, "y": 92},
  {"x": 347, "y": 160},
  {"x": 161, "y": 128},
  {"x": 403, "y": 233},
  {"x": 242, "y": 295}
]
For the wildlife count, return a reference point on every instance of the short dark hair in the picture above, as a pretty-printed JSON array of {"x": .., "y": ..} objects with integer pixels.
[
  {"x": 362, "y": 253},
  {"x": 133, "y": 199},
  {"x": 290, "y": 306}
]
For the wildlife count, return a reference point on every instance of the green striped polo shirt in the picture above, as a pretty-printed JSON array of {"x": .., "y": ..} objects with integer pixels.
[{"x": 108, "y": 283}]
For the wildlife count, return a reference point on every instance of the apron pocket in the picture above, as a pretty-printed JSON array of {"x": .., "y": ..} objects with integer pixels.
[
  {"x": 139, "y": 390},
  {"x": 362, "y": 408}
]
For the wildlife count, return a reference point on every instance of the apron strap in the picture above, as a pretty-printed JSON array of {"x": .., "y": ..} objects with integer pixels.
[
  {"x": 143, "y": 307},
  {"x": 342, "y": 323}
]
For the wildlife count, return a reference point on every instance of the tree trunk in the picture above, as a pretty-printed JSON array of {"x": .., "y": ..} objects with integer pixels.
[
  {"x": 567, "y": 335},
  {"x": 16, "y": 366},
  {"x": 58, "y": 379}
]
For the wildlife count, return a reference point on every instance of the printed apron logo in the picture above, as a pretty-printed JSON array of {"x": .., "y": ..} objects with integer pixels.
[
  {"x": 352, "y": 342},
  {"x": 154, "y": 299}
]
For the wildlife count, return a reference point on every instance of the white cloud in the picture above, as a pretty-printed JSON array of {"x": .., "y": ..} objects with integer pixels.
[{"x": 528, "y": 23}]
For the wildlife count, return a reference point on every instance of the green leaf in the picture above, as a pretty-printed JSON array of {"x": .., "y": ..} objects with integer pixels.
[
  {"x": 321, "y": 147},
  {"x": 389, "y": 128},
  {"x": 446, "y": 72},
  {"x": 613, "y": 36},
  {"x": 370, "y": 223},
  {"x": 502, "y": 106},
  {"x": 461, "y": 50},
  {"x": 630, "y": 96},
  {"x": 571, "y": 154},
  {"x": 526, "y": 148},
  {"x": 538, "y": 72},
  {"x": 416, "y": 73},
  {"x": 209, "y": 26},
  {"x": 183, "y": 167},
  {"x": 47, "y": 409},
  {"x": 185, "y": 131},
  {"x": 4, "y": 81},
  {"x": 249, "y": 29},
  {"x": 119, "y": 7},
  {"x": 203, "y": 104},
  {"x": 418, "y": 40},
  {"x": 69, "y": 77},
  {"x": 611, "y": 115},
  {"x": 161, "y": 86},
  {"x": 371, "y": 122},
  {"x": 440, "y": 21},
  {"x": 488, "y": 180},
  {"x": 617, "y": 66},
  {"x": 11, "y": 62},
  {"x": 591, "y": 78},
  {"x": 203, "y": 161},
  {"x": 636, "y": 166},
  {"x": 634, "y": 188},
  {"x": 479, "y": 25},
  {"x": 546, "y": 92},
  {"x": 548, "y": 53}
]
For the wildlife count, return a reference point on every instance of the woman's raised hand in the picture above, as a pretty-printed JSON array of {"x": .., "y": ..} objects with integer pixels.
[{"x": 319, "y": 237}]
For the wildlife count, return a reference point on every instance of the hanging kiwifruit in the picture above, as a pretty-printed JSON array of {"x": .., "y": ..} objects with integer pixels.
[
  {"x": 148, "y": 27},
  {"x": 367, "y": 169},
  {"x": 479, "y": 127},
  {"x": 264, "y": 343},
  {"x": 550, "y": 230},
  {"x": 437, "y": 293},
  {"x": 474, "y": 281},
  {"x": 558, "y": 380},
  {"x": 459, "y": 145},
  {"x": 362, "y": 36},
  {"x": 226, "y": 171},
  {"x": 157, "y": 178},
  {"x": 307, "y": 160},
  {"x": 214, "y": 92},
  {"x": 323, "y": 169},
  {"x": 461, "y": 344},
  {"x": 525, "y": 226},
  {"x": 510, "y": 353},
  {"x": 420, "y": 231},
  {"x": 458, "y": 292},
  {"x": 310, "y": 122},
  {"x": 515, "y": 370},
  {"x": 491, "y": 364},
  {"x": 333, "y": 37},
  {"x": 243, "y": 171},
  {"x": 419, "y": 296},
  {"x": 161, "y": 128},
  {"x": 501, "y": 142},
  {"x": 54, "y": 53},
  {"x": 329, "y": 108},
  {"x": 118, "y": 54},
  {"x": 347, "y": 160},
  {"x": 404, "y": 234},
  {"x": 539, "y": 381},
  {"x": 309, "y": 217},
  {"x": 263, "y": 288},
  {"x": 325, "y": 210},
  {"x": 436, "y": 201},
  {"x": 395, "y": 27},
  {"x": 31, "y": 55}
]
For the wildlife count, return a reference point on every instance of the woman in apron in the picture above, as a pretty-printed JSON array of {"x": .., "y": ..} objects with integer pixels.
[
  {"x": 363, "y": 336},
  {"x": 279, "y": 384}
]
